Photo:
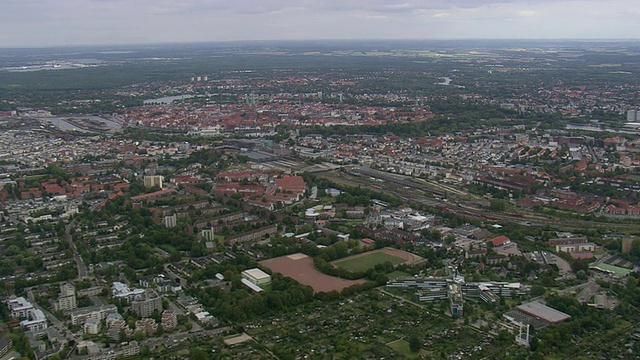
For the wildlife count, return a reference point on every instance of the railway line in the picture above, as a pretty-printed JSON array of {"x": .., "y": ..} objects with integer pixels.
[{"x": 432, "y": 194}]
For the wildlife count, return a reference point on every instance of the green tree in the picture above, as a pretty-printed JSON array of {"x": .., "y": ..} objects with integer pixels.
[{"x": 414, "y": 343}]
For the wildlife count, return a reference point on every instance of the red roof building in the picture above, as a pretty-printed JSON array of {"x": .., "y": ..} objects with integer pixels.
[{"x": 500, "y": 240}]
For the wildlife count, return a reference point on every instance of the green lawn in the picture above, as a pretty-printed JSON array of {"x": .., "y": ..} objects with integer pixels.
[
  {"x": 401, "y": 347},
  {"x": 397, "y": 274},
  {"x": 364, "y": 263},
  {"x": 168, "y": 248}
]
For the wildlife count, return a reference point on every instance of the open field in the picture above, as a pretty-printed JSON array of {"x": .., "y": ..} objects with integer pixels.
[
  {"x": 300, "y": 268},
  {"x": 401, "y": 347},
  {"x": 367, "y": 260},
  {"x": 364, "y": 263}
]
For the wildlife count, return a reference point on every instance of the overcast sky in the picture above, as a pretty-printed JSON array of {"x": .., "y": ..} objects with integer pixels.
[{"x": 27, "y": 23}]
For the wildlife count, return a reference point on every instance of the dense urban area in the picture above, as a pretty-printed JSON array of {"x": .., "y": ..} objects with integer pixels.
[{"x": 321, "y": 200}]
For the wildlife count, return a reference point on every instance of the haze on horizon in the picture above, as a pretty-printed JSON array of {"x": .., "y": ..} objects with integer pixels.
[{"x": 41, "y": 23}]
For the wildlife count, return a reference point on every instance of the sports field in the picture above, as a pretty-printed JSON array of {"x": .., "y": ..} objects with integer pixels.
[
  {"x": 300, "y": 268},
  {"x": 365, "y": 261}
]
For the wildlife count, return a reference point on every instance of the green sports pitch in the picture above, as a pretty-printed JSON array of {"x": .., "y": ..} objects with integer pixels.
[{"x": 362, "y": 263}]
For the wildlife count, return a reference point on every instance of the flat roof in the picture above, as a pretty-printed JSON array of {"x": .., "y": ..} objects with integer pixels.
[
  {"x": 543, "y": 312},
  {"x": 256, "y": 273},
  {"x": 616, "y": 270},
  {"x": 252, "y": 286}
]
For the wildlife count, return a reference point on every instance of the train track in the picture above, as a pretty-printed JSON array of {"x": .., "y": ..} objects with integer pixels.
[{"x": 432, "y": 194}]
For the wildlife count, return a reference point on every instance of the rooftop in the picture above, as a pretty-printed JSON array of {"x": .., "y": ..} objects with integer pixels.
[
  {"x": 256, "y": 273},
  {"x": 252, "y": 286},
  {"x": 612, "y": 269},
  {"x": 543, "y": 312}
]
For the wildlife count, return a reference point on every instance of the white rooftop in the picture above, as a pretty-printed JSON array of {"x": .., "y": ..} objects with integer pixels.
[
  {"x": 252, "y": 286},
  {"x": 256, "y": 273}
]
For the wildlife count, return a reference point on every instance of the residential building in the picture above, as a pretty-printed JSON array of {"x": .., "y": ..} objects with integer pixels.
[
  {"x": 169, "y": 320},
  {"x": 34, "y": 317},
  {"x": 145, "y": 306},
  {"x": 121, "y": 290},
  {"x": 252, "y": 235},
  {"x": 208, "y": 234},
  {"x": 67, "y": 299},
  {"x": 572, "y": 248},
  {"x": 91, "y": 326},
  {"x": 153, "y": 181},
  {"x": 79, "y": 316},
  {"x": 170, "y": 221},
  {"x": 147, "y": 326}
]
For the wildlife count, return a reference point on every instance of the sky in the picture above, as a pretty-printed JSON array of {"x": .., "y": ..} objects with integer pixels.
[{"x": 37, "y": 23}]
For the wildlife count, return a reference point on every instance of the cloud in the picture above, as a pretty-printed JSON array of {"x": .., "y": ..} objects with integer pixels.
[
  {"x": 526, "y": 13},
  {"x": 70, "y": 22}
]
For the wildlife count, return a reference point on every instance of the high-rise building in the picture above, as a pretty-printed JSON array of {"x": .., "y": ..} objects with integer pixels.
[
  {"x": 153, "y": 180},
  {"x": 208, "y": 234},
  {"x": 67, "y": 299},
  {"x": 144, "y": 307},
  {"x": 169, "y": 320},
  {"x": 633, "y": 115},
  {"x": 170, "y": 221}
]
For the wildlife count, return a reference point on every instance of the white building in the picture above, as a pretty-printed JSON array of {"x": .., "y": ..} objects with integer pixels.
[
  {"x": 34, "y": 317},
  {"x": 91, "y": 326},
  {"x": 256, "y": 276},
  {"x": 121, "y": 290},
  {"x": 153, "y": 180}
]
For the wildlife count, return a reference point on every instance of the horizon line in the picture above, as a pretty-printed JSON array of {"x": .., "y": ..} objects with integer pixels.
[{"x": 257, "y": 41}]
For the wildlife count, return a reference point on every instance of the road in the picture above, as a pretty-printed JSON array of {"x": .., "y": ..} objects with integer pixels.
[
  {"x": 57, "y": 324},
  {"x": 82, "y": 268}
]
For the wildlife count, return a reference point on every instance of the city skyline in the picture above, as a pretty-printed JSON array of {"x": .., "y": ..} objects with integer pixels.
[{"x": 42, "y": 23}]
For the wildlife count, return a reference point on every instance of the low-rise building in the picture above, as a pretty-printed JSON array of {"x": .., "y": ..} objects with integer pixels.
[{"x": 256, "y": 276}]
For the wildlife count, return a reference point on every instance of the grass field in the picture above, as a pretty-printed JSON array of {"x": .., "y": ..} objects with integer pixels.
[
  {"x": 364, "y": 263},
  {"x": 402, "y": 348},
  {"x": 397, "y": 274}
]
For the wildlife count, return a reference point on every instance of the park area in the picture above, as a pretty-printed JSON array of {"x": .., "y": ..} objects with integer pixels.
[
  {"x": 365, "y": 261},
  {"x": 300, "y": 268}
]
